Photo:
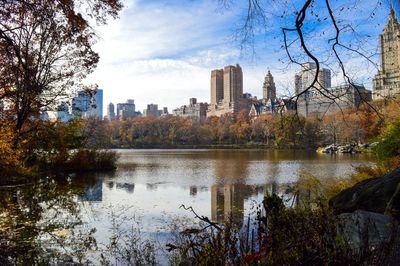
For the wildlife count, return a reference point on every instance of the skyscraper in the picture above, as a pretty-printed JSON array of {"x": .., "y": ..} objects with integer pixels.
[
  {"x": 111, "y": 111},
  {"x": 126, "y": 110},
  {"x": 269, "y": 89},
  {"x": 297, "y": 84},
  {"x": 315, "y": 103},
  {"x": 306, "y": 76},
  {"x": 88, "y": 104},
  {"x": 227, "y": 91},
  {"x": 81, "y": 103},
  {"x": 217, "y": 86},
  {"x": 1, "y": 108},
  {"x": 387, "y": 82},
  {"x": 152, "y": 110},
  {"x": 62, "y": 113},
  {"x": 233, "y": 84},
  {"x": 99, "y": 103}
]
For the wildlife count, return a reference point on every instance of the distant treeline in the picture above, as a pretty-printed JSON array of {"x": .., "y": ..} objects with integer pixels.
[{"x": 287, "y": 130}]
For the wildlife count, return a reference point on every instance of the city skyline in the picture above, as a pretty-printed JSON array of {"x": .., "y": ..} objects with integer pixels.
[{"x": 162, "y": 52}]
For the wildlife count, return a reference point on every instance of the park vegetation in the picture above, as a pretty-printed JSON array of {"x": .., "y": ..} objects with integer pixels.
[
  {"x": 45, "y": 54},
  {"x": 278, "y": 130}
]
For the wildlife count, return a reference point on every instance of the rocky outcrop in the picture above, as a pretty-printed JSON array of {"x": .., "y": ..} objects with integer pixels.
[
  {"x": 365, "y": 228},
  {"x": 379, "y": 194}
]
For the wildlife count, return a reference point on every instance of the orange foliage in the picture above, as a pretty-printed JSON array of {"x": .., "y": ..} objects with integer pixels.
[{"x": 10, "y": 156}]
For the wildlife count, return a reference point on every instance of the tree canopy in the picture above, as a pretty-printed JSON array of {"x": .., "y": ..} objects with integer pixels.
[{"x": 45, "y": 52}]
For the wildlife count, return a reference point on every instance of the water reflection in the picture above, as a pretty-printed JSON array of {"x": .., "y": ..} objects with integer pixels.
[
  {"x": 128, "y": 187},
  {"x": 93, "y": 193},
  {"x": 219, "y": 184},
  {"x": 227, "y": 201},
  {"x": 193, "y": 191},
  {"x": 230, "y": 165},
  {"x": 40, "y": 223},
  {"x": 272, "y": 188}
]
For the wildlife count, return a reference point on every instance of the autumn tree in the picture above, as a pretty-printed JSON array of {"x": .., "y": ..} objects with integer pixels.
[
  {"x": 9, "y": 156},
  {"x": 262, "y": 128},
  {"x": 289, "y": 130},
  {"x": 45, "y": 53},
  {"x": 240, "y": 130}
]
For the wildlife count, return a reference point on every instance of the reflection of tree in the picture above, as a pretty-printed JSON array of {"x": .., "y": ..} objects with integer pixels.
[
  {"x": 271, "y": 188},
  {"x": 231, "y": 165},
  {"x": 40, "y": 223},
  {"x": 227, "y": 201}
]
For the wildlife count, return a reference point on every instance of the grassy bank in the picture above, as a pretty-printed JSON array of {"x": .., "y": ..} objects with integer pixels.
[{"x": 81, "y": 160}]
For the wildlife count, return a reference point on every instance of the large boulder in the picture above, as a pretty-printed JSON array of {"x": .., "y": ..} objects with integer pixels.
[
  {"x": 379, "y": 194},
  {"x": 362, "y": 228}
]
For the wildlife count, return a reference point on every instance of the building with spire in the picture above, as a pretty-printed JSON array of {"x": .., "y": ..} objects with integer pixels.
[
  {"x": 387, "y": 81},
  {"x": 269, "y": 89}
]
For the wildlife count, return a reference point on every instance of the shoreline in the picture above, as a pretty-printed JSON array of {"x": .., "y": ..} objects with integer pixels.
[{"x": 210, "y": 147}]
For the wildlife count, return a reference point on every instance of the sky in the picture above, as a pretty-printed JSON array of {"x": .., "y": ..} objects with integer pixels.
[{"x": 163, "y": 51}]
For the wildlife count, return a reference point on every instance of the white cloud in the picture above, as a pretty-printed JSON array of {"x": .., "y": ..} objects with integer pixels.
[{"x": 163, "y": 53}]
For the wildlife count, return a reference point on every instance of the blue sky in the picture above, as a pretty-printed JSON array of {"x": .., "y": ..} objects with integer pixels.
[{"x": 163, "y": 51}]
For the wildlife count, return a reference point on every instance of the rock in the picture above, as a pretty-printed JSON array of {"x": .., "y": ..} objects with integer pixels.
[
  {"x": 378, "y": 194},
  {"x": 347, "y": 149},
  {"x": 363, "y": 229},
  {"x": 328, "y": 149}
]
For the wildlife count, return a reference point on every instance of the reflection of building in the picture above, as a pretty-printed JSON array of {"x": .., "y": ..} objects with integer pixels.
[
  {"x": 130, "y": 188},
  {"x": 227, "y": 91},
  {"x": 93, "y": 193},
  {"x": 387, "y": 82},
  {"x": 193, "y": 110},
  {"x": 193, "y": 190},
  {"x": 227, "y": 201},
  {"x": 232, "y": 165}
]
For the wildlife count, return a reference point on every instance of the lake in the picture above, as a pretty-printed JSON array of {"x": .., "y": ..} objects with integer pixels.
[{"x": 149, "y": 186}]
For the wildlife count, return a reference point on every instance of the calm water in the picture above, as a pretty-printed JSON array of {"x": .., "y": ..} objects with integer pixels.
[{"x": 149, "y": 187}]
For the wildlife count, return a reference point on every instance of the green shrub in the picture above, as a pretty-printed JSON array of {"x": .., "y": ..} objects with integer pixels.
[
  {"x": 389, "y": 145},
  {"x": 88, "y": 159}
]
